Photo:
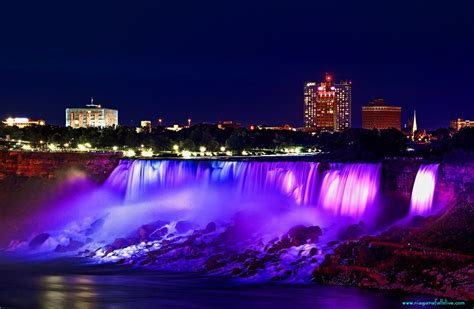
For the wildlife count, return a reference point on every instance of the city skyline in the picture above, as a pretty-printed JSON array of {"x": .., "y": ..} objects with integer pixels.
[{"x": 216, "y": 62}]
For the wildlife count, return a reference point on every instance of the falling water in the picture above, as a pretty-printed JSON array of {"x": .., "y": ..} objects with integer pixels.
[
  {"x": 349, "y": 189},
  {"x": 423, "y": 190},
  {"x": 346, "y": 189},
  {"x": 297, "y": 180}
]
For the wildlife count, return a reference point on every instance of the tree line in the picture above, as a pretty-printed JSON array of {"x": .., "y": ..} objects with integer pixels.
[{"x": 352, "y": 144}]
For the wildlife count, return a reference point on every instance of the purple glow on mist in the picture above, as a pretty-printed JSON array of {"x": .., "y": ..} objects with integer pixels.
[
  {"x": 423, "y": 190},
  {"x": 350, "y": 189}
]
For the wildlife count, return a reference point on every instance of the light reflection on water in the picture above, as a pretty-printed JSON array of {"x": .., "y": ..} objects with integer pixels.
[
  {"x": 66, "y": 284},
  {"x": 67, "y": 291}
]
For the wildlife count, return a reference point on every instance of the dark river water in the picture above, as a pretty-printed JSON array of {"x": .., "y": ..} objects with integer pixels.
[{"x": 70, "y": 283}]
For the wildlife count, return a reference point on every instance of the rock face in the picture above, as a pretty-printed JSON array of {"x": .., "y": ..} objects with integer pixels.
[
  {"x": 50, "y": 165},
  {"x": 436, "y": 257}
]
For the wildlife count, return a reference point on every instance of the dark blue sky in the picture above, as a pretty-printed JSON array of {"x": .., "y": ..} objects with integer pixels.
[{"x": 240, "y": 60}]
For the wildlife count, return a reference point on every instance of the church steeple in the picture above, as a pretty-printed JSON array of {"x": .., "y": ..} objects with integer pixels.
[{"x": 414, "y": 126}]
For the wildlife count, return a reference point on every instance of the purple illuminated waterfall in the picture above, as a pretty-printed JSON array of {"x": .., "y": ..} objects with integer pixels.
[
  {"x": 297, "y": 180},
  {"x": 345, "y": 189},
  {"x": 423, "y": 190},
  {"x": 349, "y": 189}
]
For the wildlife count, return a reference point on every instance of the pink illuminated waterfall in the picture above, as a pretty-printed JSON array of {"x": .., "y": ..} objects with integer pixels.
[
  {"x": 423, "y": 190},
  {"x": 349, "y": 189}
]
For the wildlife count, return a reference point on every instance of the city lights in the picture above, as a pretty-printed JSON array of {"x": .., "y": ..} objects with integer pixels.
[
  {"x": 52, "y": 147},
  {"x": 129, "y": 153},
  {"x": 147, "y": 153},
  {"x": 186, "y": 154}
]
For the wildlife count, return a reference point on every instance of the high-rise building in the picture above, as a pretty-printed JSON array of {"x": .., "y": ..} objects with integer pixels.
[
  {"x": 458, "y": 124},
  {"x": 91, "y": 116},
  {"x": 343, "y": 105},
  {"x": 310, "y": 93},
  {"x": 327, "y": 105},
  {"x": 377, "y": 115}
]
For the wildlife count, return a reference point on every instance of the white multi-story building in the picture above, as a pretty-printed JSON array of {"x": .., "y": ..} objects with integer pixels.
[{"x": 91, "y": 116}]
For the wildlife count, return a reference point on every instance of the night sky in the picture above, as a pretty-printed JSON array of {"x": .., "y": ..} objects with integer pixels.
[{"x": 240, "y": 60}]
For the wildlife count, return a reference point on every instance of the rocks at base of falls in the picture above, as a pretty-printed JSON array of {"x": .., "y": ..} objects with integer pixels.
[
  {"x": 427, "y": 255},
  {"x": 353, "y": 231},
  {"x": 417, "y": 258},
  {"x": 38, "y": 240},
  {"x": 73, "y": 245},
  {"x": 184, "y": 226},
  {"x": 219, "y": 249}
]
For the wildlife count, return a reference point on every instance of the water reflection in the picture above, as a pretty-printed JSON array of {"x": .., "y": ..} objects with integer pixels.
[
  {"x": 66, "y": 284},
  {"x": 67, "y": 292}
]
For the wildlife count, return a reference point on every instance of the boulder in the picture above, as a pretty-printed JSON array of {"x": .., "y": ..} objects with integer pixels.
[
  {"x": 353, "y": 231},
  {"x": 211, "y": 227},
  {"x": 72, "y": 246},
  {"x": 301, "y": 234},
  {"x": 184, "y": 226},
  {"x": 158, "y": 234},
  {"x": 38, "y": 240}
]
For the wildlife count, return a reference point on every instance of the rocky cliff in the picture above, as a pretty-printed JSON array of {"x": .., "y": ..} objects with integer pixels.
[{"x": 50, "y": 165}]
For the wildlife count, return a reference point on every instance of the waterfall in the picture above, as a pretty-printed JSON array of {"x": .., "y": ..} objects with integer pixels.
[
  {"x": 344, "y": 189},
  {"x": 349, "y": 189},
  {"x": 423, "y": 190},
  {"x": 297, "y": 180}
]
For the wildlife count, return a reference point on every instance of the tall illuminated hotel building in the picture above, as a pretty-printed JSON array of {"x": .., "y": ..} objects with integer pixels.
[
  {"x": 327, "y": 105},
  {"x": 91, "y": 116}
]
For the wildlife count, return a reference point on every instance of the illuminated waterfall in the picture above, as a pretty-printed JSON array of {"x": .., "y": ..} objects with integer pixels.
[
  {"x": 423, "y": 190},
  {"x": 348, "y": 189},
  {"x": 297, "y": 180},
  {"x": 345, "y": 189}
]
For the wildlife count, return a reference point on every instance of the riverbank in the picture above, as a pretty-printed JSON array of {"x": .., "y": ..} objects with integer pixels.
[{"x": 433, "y": 255}]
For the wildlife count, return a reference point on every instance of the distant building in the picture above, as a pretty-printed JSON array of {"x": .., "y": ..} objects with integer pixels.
[
  {"x": 328, "y": 105},
  {"x": 228, "y": 124},
  {"x": 377, "y": 115},
  {"x": 91, "y": 116},
  {"x": 458, "y": 124},
  {"x": 145, "y": 126},
  {"x": 343, "y": 105},
  {"x": 175, "y": 128},
  {"x": 23, "y": 122},
  {"x": 310, "y": 93},
  {"x": 284, "y": 127}
]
